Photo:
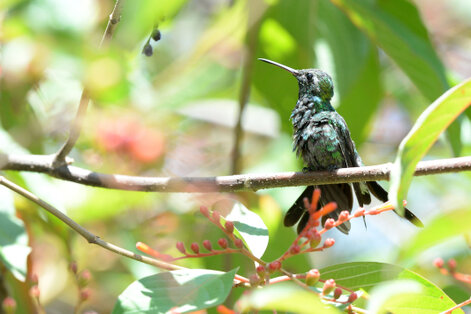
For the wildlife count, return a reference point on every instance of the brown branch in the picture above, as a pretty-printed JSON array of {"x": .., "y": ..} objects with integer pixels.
[
  {"x": 90, "y": 237},
  {"x": 235, "y": 183},
  {"x": 255, "y": 18},
  {"x": 76, "y": 127}
]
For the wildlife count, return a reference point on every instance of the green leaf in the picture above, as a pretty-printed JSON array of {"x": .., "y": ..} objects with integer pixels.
[
  {"x": 440, "y": 229},
  {"x": 179, "y": 291},
  {"x": 39, "y": 184},
  {"x": 397, "y": 28},
  {"x": 14, "y": 249},
  {"x": 251, "y": 228},
  {"x": 358, "y": 88},
  {"x": 433, "y": 121},
  {"x": 287, "y": 297},
  {"x": 400, "y": 296},
  {"x": 368, "y": 275}
]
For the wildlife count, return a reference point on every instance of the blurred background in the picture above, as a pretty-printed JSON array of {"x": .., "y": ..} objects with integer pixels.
[{"x": 174, "y": 113}]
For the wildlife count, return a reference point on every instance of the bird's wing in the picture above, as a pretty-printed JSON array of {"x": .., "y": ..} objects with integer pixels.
[{"x": 352, "y": 158}]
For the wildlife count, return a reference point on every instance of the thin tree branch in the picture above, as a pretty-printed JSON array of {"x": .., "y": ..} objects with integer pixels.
[
  {"x": 77, "y": 123},
  {"x": 234, "y": 183},
  {"x": 254, "y": 22},
  {"x": 90, "y": 237},
  {"x": 115, "y": 16}
]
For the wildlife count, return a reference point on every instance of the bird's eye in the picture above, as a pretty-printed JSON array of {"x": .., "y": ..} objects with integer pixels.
[{"x": 309, "y": 77}]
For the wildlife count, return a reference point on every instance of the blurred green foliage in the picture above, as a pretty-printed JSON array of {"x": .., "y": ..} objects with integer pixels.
[{"x": 173, "y": 113}]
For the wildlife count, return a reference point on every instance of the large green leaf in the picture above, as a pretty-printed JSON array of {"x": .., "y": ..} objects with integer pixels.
[
  {"x": 441, "y": 228},
  {"x": 431, "y": 123},
  {"x": 179, "y": 291},
  {"x": 356, "y": 64},
  {"x": 368, "y": 275},
  {"x": 397, "y": 28},
  {"x": 14, "y": 249},
  {"x": 283, "y": 297}
]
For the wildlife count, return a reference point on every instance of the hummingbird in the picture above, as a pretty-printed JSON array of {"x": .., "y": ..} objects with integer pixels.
[{"x": 322, "y": 138}]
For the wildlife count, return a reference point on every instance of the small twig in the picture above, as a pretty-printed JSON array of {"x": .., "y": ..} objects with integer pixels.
[
  {"x": 115, "y": 16},
  {"x": 90, "y": 237},
  {"x": 449, "y": 311},
  {"x": 235, "y": 183},
  {"x": 76, "y": 127}
]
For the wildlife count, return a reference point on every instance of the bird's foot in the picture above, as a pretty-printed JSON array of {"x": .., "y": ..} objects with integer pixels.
[{"x": 307, "y": 169}]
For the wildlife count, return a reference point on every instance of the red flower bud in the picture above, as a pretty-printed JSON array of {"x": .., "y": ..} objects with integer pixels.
[
  {"x": 238, "y": 243},
  {"x": 452, "y": 264},
  {"x": 328, "y": 243},
  {"x": 34, "y": 279},
  {"x": 254, "y": 280},
  {"x": 181, "y": 247},
  {"x": 222, "y": 243},
  {"x": 329, "y": 286},
  {"x": 84, "y": 294},
  {"x": 312, "y": 277},
  {"x": 83, "y": 278},
  {"x": 344, "y": 216},
  {"x": 195, "y": 247},
  {"x": 316, "y": 239},
  {"x": 294, "y": 249},
  {"x": 9, "y": 305},
  {"x": 229, "y": 226},
  {"x": 359, "y": 212},
  {"x": 274, "y": 266},
  {"x": 34, "y": 291},
  {"x": 352, "y": 297},
  {"x": 337, "y": 293},
  {"x": 438, "y": 262},
  {"x": 329, "y": 223},
  {"x": 221, "y": 309},
  {"x": 261, "y": 270},
  {"x": 204, "y": 210},
  {"x": 207, "y": 245},
  {"x": 73, "y": 267},
  {"x": 216, "y": 216}
]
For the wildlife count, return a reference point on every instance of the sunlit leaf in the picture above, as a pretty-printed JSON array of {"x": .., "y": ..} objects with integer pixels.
[
  {"x": 431, "y": 123},
  {"x": 401, "y": 296},
  {"x": 440, "y": 229},
  {"x": 178, "y": 291},
  {"x": 251, "y": 227},
  {"x": 14, "y": 249},
  {"x": 283, "y": 297},
  {"x": 366, "y": 275}
]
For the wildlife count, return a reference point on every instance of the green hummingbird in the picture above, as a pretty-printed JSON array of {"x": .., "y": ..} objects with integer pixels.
[{"x": 322, "y": 138}]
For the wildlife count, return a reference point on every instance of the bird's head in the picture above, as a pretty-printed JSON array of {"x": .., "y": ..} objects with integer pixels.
[{"x": 311, "y": 81}]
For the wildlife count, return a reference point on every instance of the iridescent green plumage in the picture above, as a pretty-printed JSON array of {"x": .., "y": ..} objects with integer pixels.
[{"x": 321, "y": 137}]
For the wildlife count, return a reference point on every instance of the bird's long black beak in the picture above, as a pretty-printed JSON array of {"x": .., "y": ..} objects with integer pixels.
[{"x": 284, "y": 67}]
